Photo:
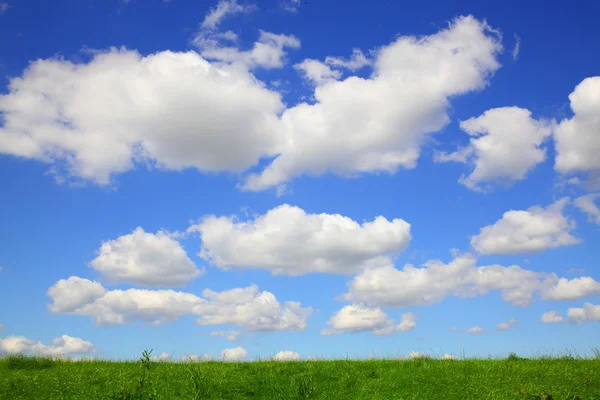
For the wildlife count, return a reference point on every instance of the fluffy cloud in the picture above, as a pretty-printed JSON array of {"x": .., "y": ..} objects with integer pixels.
[
  {"x": 505, "y": 145},
  {"x": 317, "y": 72},
  {"x": 588, "y": 313},
  {"x": 234, "y": 354},
  {"x": 378, "y": 124},
  {"x": 60, "y": 346},
  {"x": 533, "y": 230},
  {"x": 476, "y": 330},
  {"x": 287, "y": 240},
  {"x": 391, "y": 287},
  {"x": 448, "y": 357},
  {"x": 145, "y": 259},
  {"x": 577, "y": 138},
  {"x": 170, "y": 110},
  {"x": 587, "y": 204},
  {"x": 358, "y": 318},
  {"x": 286, "y": 356},
  {"x": 551, "y": 317},
  {"x": 247, "y": 308},
  {"x": 504, "y": 326}
]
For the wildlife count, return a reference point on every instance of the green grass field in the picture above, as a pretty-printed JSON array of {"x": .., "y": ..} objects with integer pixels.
[{"x": 514, "y": 378}]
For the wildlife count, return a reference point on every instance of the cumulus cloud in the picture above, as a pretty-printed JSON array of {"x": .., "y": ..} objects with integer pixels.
[
  {"x": 388, "y": 286},
  {"x": 551, "y": 317},
  {"x": 222, "y": 10},
  {"x": 448, "y": 357},
  {"x": 317, "y": 72},
  {"x": 145, "y": 259},
  {"x": 588, "y": 313},
  {"x": 357, "y": 61},
  {"x": 505, "y": 144},
  {"x": 504, "y": 326},
  {"x": 577, "y": 141},
  {"x": 378, "y": 124},
  {"x": 587, "y": 204},
  {"x": 247, "y": 308},
  {"x": 120, "y": 110},
  {"x": 234, "y": 354},
  {"x": 357, "y": 318},
  {"x": 527, "y": 231},
  {"x": 60, "y": 346},
  {"x": 287, "y": 240},
  {"x": 286, "y": 356}
]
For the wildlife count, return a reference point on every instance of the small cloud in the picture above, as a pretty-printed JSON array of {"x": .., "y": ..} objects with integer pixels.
[
  {"x": 476, "y": 330},
  {"x": 3, "y": 8},
  {"x": 417, "y": 354},
  {"x": 286, "y": 356},
  {"x": 551, "y": 317},
  {"x": 290, "y": 5},
  {"x": 161, "y": 357},
  {"x": 517, "y": 48},
  {"x": 504, "y": 326},
  {"x": 234, "y": 354},
  {"x": 448, "y": 357}
]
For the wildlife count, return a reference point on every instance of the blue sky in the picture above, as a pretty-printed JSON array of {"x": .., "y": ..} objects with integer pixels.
[{"x": 350, "y": 180}]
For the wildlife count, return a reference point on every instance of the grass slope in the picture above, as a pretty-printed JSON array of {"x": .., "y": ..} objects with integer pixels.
[{"x": 514, "y": 378}]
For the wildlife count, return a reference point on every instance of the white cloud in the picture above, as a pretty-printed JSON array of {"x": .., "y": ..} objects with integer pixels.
[
  {"x": 407, "y": 323},
  {"x": 223, "y": 9},
  {"x": 286, "y": 356},
  {"x": 229, "y": 335},
  {"x": 161, "y": 357},
  {"x": 234, "y": 354},
  {"x": 505, "y": 145},
  {"x": 287, "y": 240},
  {"x": 448, "y": 357},
  {"x": 521, "y": 232},
  {"x": 60, "y": 346},
  {"x": 504, "y": 326},
  {"x": 121, "y": 110},
  {"x": 145, "y": 259},
  {"x": 517, "y": 48},
  {"x": 390, "y": 287},
  {"x": 577, "y": 139},
  {"x": 476, "y": 330},
  {"x": 587, "y": 204},
  {"x": 267, "y": 52},
  {"x": 247, "y": 308},
  {"x": 378, "y": 124},
  {"x": 551, "y": 317},
  {"x": 357, "y": 318},
  {"x": 588, "y": 313},
  {"x": 356, "y": 62},
  {"x": 317, "y": 72},
  {"x": 196, "y": 358},
  {"x": 3, "y": 8},
  {"x": 417, "y": 354}
]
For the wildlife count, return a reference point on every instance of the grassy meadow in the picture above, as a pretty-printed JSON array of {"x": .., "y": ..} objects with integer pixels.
[{"x": 420, "y": 378}]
